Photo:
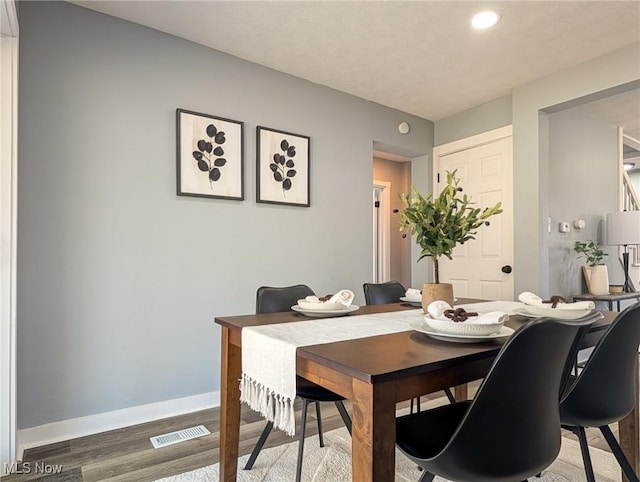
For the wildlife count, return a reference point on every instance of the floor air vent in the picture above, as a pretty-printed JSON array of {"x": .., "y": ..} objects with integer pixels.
[{"x": 179, "y": 436}]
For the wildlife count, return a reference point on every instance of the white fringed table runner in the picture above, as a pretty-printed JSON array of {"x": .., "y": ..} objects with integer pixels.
[{"x": 268, "y": 383}]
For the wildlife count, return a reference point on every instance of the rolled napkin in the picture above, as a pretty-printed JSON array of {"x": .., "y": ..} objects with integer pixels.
[
  {"x": 532, "y": 299},
  {"x": 436, "y": 309},
  {"x": 344, "y": 297},
  {"x": 413, "y": 294},
  {"x": 313, "y": 299},
  {"x": 489, "y": 318},
  {"x": 580, "y": 305},
  {"x": 529, "y": 298}
]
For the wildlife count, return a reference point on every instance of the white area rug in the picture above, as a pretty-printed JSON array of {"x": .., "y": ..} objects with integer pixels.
[{"x": 332, "y": 463}]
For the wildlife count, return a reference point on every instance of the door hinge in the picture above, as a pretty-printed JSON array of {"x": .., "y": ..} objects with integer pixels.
[
  {"x": 438, "y": 178},
  {"x": 376, "y": 204}
]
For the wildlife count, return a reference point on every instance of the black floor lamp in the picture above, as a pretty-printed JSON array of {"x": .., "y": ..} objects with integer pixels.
[{"x": 623, "y": 229}]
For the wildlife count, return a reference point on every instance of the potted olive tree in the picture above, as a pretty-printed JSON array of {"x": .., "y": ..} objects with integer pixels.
[
  {"x": 439, "y": 223},
  {"x": 596, "y": 274}
]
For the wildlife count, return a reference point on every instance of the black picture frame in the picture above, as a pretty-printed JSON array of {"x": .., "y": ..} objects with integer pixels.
[
  {"x": 282, "y": 167},
  {"x": 209, "y": 156}
]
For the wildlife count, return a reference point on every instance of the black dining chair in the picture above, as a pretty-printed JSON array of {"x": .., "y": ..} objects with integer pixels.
[
  {"x": 391, "y": 292},
  {"x": 606, "y": 389},
  {"x": 511, "y": 429},
  {"x": 270, "y": 299},
  {"x": 383, "y": 293}
]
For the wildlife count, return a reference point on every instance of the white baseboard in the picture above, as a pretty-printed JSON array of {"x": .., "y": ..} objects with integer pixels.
[{"x": 102, "y": 422}]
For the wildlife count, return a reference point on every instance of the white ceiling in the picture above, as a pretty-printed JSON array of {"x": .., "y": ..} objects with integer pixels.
[
  {"x": 620, "y": 110},
  {"x": 420, "y": 57}
]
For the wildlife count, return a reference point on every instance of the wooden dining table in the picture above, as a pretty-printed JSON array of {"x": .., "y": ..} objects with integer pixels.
[{"x": 374, "y": 374}]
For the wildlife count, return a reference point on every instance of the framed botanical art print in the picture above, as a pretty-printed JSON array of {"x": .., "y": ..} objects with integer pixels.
[
  {"x": 209, "y": 156},
  {"x": 282, "y": 167}
]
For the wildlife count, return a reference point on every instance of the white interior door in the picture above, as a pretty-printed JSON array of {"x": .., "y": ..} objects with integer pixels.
[
  {"x": 381, "y": 231},
  {"x": 482, "y": 268}
]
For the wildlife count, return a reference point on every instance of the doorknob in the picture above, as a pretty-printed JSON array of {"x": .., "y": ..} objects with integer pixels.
[{"x": 506, "y": 269}]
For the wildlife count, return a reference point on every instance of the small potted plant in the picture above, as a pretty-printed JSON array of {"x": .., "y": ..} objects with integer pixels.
[
  {"x": 596, "y": 275},
  {"x": 439, "y": 224}
]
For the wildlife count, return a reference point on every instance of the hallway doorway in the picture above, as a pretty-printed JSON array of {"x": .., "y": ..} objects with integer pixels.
[
  {"x": 391, "y": 252},
  {"x": 381, "y": 231}
]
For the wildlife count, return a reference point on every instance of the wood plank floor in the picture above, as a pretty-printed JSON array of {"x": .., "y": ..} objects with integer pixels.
[{"x": 127, "y": 454}]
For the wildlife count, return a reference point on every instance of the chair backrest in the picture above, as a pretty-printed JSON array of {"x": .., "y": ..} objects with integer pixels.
[
  {"x": 273, "y": 299},
  {"x": 511, "y": 430},
  {"x": 383, "y": 293},
  {"x": 606, "y": 389}
]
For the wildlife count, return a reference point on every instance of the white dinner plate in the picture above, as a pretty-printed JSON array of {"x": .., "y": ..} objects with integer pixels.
[
  {"x": 411, "y": 301},
  {"x": 319, "y": 306},
  {"x": 326, "y": 313},
  {"x": 560, "y": 313},
  {"x": 422, "y": 327}
]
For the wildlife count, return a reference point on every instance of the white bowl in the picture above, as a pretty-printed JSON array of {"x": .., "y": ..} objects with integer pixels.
[
  {"x": 463, "y": 327},
  {"x": 563, "y": 313},
  {"x": 322, "y": 306}
]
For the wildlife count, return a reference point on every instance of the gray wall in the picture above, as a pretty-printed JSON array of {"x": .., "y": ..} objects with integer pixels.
[
  {"x": 531, "y": 168},
  {"x": 399, "y": 175},
  {"x": 579, "y": 147},
  {"x": 119, "y": 279},
  {"x": 482, "y": 118}
]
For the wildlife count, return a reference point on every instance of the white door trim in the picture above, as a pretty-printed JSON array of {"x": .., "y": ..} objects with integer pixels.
[
  {"x": 383, "y": 234},
  {"x": 8, "y": 217}
]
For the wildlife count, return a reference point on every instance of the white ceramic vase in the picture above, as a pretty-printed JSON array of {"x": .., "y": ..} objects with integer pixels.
[{"x": 599, "y": 280}]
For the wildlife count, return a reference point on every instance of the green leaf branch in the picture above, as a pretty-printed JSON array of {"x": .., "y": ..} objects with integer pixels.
[
  {"x": 440, "y": 223},
  {"x": 591, "y": 251}
]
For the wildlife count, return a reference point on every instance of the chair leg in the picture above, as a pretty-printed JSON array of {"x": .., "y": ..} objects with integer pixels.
[
  {"x": 584, "y": 448},
  {"x": 319, "y": 421},
  {"x": 449, "y": 395},
  {"x": 617, "y": 451},
  {"x": 345, "y": 416},
  {"x": 305, "y": 406},
  {"x": 447, "y": 392},
  {"x": 426, "y": 476},
  {"x": 256, "y": 450}
]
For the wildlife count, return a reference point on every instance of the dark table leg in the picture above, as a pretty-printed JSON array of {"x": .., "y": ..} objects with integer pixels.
[
  {"x": 229, "y": 408},
  {"x": 373, "y": 432},
  {"x": 461, "y": 392},
  {"x": 628, "y": 432}
]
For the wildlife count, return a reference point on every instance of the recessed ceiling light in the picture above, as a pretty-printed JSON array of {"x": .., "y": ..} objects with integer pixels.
[
  {"x": 629, "y": 165},
  {"x": 485, "y": 19}
]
